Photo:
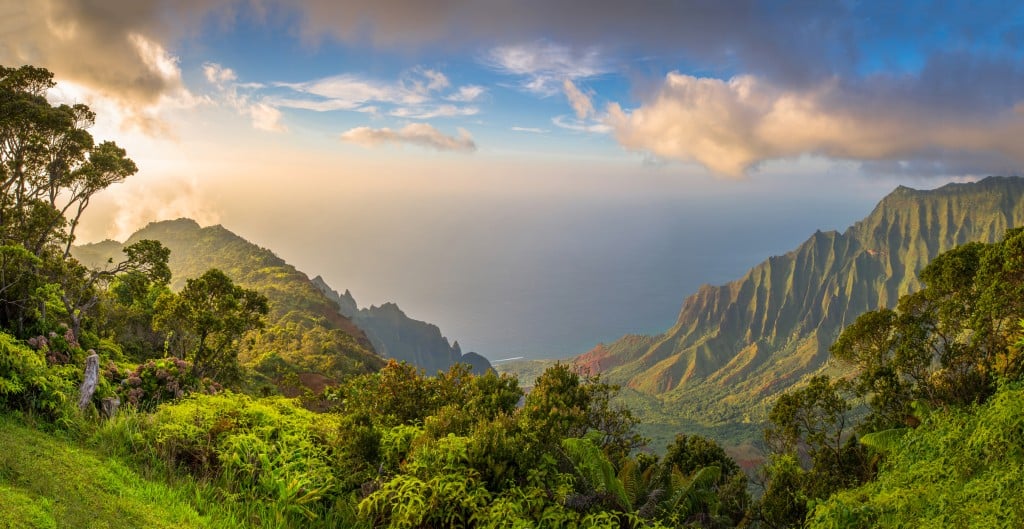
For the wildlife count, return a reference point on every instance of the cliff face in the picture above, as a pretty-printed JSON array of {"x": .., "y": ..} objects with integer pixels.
[
  {"x": 396, "y": 335},
  {"x": 736, "y": 344}
]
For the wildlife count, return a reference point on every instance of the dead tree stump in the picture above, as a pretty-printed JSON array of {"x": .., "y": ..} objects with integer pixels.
[{"x": 92, "y": 377}]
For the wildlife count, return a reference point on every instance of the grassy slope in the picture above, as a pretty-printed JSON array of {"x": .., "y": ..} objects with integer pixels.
[{"x": 47, "y": 482}]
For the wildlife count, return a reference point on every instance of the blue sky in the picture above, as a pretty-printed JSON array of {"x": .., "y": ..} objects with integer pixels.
[{"x": 575, "y": 168}]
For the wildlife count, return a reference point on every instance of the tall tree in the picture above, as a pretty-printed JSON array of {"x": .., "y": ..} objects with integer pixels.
[
  {"x": 50, "y": 169},
  {"x": 206, "y": 321},
  {"x": 50, "y": 166}
]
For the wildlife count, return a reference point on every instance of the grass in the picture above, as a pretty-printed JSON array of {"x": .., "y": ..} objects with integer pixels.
[{"x": 49, "y": 482}]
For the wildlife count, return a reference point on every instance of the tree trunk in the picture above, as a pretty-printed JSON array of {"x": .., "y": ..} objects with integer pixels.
[{"x": 92, "y": 377}]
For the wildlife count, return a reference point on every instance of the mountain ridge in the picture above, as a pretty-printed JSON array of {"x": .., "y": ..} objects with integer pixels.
[
  {"x": 395, "y": 335},
  {"x": 735, "y": 345},
  {"x": 383, "y": 332},
  {"x": 305, "y": 339}
]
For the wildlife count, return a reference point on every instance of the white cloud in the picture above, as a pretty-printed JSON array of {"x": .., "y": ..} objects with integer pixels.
[
  {"x": 467, "y": 94},
  {"x": 569, "y": 123},
  {"x": 266, "y": 117},
  {"x": 580, "y": 102},
  {"x": 217, "y": 74},
  {"x": 156, "y": 58},
  {"x": 732, "y": 126},
  {"x": 440, "y": 111},
  {"x": 316, "y": 105},
  {"x": 421, "y": 134},
  {"x": 350, "y": 91},
  {"x": 545, "y": 65},
  {"x": 435, "y": 80},
  {"x": 262, "y": 112},
  {"x": 534, "y": 130},
  {"x": 116, "y": 116},
  {"x": 417, "y": 94}
]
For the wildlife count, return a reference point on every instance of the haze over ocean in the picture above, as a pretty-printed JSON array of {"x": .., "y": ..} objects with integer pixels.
[{"x": 534, "y": 276}]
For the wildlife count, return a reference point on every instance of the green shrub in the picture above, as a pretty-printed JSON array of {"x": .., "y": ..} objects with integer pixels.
[
  {"x": 960, "y": 468},
  {"x": 155, "y": 381},
  {"x": 269, "y": 454},
  {"x": 28, "y": 385}
]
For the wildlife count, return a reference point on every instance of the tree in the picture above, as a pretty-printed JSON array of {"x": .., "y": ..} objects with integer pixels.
[
  {"x": 50, "y": 168},
  {"x": 726, "y": 499},
  {"x": 814, "y": 450},
  {"x": 207, "y": 320},
  {"x": 564, "y": 404},
  {"x": 126, "y": 308},
  {"x": 146, "y": 264},
  {"x": 947, "y": 344}
]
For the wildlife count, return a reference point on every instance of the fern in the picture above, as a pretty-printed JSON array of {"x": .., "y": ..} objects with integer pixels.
[
  {"x": 884, "y": 441},
  {"x": 689, "y": 493},
  {"x": 593, "y": 465}
]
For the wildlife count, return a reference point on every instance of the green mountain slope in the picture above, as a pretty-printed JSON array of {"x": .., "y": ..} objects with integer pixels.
[
  {"x": 306, "y": 335},
  {"x": 396, "y": 335},
  {"x": 736, "y": 345},
  {"x": 308, "y": 312}
]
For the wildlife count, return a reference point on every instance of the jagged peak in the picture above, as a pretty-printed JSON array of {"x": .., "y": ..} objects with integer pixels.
[
  {"x": 388, "y": 306},
  {"x": 956, "y": 187}
]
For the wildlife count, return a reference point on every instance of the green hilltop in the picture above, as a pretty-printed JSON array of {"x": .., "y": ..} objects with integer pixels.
[
  {"x": 315, "y": 331},
  {"x": 307, "y": 342}
]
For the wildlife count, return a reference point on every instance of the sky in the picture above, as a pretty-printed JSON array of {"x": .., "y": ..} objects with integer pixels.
[{"x": 535, "y": 176}]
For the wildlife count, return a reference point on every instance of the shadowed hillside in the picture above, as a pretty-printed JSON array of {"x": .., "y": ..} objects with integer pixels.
[{"x": 395, "y": 335}]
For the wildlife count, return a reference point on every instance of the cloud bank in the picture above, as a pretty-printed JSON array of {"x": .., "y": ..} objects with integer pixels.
[
  {"x": 117, "y": 50},
  {"x": 911, "y": 86},
  {"x": 419, "y": 134},
  {"x": 732, "y": 126}
]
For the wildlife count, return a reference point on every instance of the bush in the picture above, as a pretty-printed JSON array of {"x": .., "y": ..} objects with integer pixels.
[
  {"x": 960, "y": 468},
  {"x": 28, "y": 385},
  {"x": 156, "y": 381},
  {"x": 269, "y": 455}
]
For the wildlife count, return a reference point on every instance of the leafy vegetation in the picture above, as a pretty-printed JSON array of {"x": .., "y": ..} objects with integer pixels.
[
  {"x": 953, "y": 347},
  {"x": 963, "y": 467},
  {"x": 205, "y": 322}
]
